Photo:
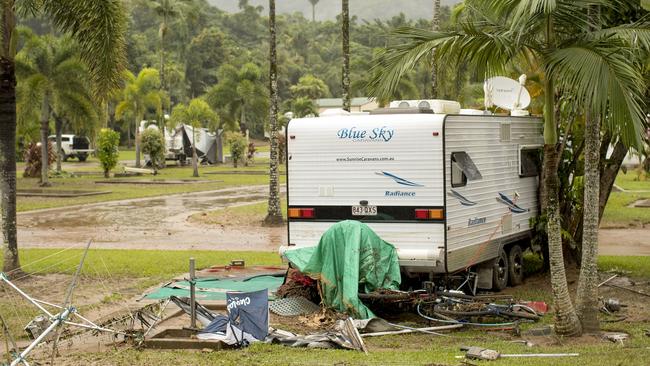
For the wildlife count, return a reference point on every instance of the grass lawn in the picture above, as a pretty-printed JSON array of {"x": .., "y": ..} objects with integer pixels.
[
  {"x": 617, "y": 212},
  {"x": 128, "y": 191},
  {"x": 238, "y": 216},
  {"x": 630, "y": 181},
  {"x": 409, "y": 349},
  {"x": 134, "y": 263}
]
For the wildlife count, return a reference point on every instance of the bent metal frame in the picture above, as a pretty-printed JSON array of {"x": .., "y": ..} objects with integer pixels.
[{"x": 65, "y": 316}]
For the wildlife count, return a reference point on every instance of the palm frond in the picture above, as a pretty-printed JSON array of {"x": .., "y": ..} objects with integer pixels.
[
  {"x": 635, "y": 34},
  {"x": 605, "y": 81},
  {"x": 99, "y": 26},
  {"x": 487, "y": 49}
]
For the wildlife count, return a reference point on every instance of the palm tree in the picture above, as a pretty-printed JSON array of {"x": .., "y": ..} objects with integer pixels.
[
  {"x": 56, "y": 83},
  {"x": 274, "y": 214},
  {"x": 166, "y": 10},
  {"x": 313, "y": 9},
  {"x": 345, "y": 85},
  {"x": 435, "y": 25},
  {"x": 140, "y": 94},
  {"x": 239, "y": 95},
  {"x": 197, "y": 114},
  {"x": 99, "y": 26},
  {"x": 591, "y": 67}
]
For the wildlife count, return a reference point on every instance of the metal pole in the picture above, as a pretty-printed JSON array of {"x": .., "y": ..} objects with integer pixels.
[
  {"x": 58, "y": 319},
  {"x": 192, "y": 294}
]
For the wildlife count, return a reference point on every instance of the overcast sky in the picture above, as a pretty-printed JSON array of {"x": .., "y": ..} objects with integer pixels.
[{"x": 328, "y": 9}]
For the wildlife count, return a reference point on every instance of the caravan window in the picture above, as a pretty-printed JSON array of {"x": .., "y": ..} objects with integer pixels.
[
  {"x": 463, "y": 169},
  {"x": 529, "y": 162}
]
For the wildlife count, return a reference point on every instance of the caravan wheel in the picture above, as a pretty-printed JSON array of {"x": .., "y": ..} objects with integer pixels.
[
  {"x": 516, "y": 265},
  {"x": 500, "y": 271}
]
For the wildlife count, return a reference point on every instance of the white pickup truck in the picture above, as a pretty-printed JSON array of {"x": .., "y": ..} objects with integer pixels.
[{"x": 73, "y": 146}]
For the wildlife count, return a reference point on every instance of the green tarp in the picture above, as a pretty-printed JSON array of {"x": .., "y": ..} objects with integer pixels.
[
  {"x": 348, "y": 257},
  {"x": 215, "y": 289}
]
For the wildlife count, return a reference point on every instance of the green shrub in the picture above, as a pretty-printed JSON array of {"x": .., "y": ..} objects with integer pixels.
[
  {"x": 153, "y": 144},
  {"x": 237, "y": 143},
  {"x": 107, "y": 149}
]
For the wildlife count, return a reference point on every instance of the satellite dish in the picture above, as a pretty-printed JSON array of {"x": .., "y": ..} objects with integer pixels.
[{"x": 507, "y": 93}]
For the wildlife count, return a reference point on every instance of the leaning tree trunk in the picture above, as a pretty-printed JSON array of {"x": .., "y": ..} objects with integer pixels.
[
  {"x": 11, "y": 264},
  {"x": 137, "y": 144},
  {"x": 274, "y": 214},
  {"x": 608, "y": 174},
  {"x": 345, "y": 84},
  {"x": 58, "y": 128},
  {"x": 566, "y": 320},
  {"x": 587, "y": 295},
  {"x": 45, "y": 131},
  {"x": 435, "y": 25},
  {"x": 195, "y": 158}
]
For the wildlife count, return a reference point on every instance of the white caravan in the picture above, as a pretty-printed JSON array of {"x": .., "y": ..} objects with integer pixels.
[{"x": 450, "y": 191}]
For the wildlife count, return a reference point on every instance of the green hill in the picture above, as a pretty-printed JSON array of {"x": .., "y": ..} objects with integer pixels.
[{"x": 329, "y": 9}]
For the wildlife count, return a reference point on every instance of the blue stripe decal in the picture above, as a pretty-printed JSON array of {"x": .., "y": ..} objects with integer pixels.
[
  {"x": 399, "y": 180},
  {"x": 462, "y": 199},
  {"x": 511, "y": 205}
]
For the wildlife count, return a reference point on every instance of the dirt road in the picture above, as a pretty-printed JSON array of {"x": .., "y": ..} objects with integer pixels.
[
  {"x": 624, "y": 241},
  {"x": 151, "y": 223}
]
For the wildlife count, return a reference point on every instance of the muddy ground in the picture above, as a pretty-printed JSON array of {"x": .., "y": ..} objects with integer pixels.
[
  {"x": 151, "y": 223},
  {"x": 162, "y": 223}
]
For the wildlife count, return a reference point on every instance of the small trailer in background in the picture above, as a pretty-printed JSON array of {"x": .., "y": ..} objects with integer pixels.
[
  {"x": 178, "y": 143},
  {"x": 451, "y": 191}
]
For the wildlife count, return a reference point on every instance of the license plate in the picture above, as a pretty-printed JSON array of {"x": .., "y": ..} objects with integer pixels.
[{"x": 364, "y": 210}]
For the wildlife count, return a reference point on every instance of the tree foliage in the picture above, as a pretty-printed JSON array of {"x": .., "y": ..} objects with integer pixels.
[
  {"x": 108, "y": 153},
  {"x": 240, "y": 97},
  {"x": 237, "y": 143},
  {"x": 153, "y": 144}
]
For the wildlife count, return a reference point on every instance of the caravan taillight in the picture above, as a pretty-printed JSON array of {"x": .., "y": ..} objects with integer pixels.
[
  {"x": 308, "y": 213},
  {"x": 421, "y": 214},
  {"x": 302, "y": 213},
  {"x": 426, "y": 214}
]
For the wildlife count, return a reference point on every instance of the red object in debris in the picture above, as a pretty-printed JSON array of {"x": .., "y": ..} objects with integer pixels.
[
  {"x": 296, "y": 276},
  {"x": 539, "y": 306}
]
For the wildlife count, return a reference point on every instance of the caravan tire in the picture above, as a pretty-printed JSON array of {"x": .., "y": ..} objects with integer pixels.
[
  {"x": 516, "y": 265},
  {"x": 500, "y": 271}
]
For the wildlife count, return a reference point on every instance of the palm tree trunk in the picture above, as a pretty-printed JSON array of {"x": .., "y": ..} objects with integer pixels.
[
  {"x": 242, "y": 119},
  {"x": 435, "y": 25},
  {"x": 195, "y": 158},
  {"x": 313, "y": 12},
  {"x": 587, "y": 295},
  {"x": 274, "y": 214},
  {"x": 58, "y": 127},
  {"x": 11, "y": 263},
  {"x": 45, "y": 131},
  {"x": 345, "y": 85},
  {"x": 137, "y": 143},
  {"x": 566, "y": 320},
  {"x": 128, "y": 135},
  {"x": 163, "y": 31}
]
